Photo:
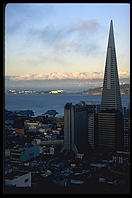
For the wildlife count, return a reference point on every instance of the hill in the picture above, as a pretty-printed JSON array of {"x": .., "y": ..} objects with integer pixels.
[{"x": 124, "y": 88}]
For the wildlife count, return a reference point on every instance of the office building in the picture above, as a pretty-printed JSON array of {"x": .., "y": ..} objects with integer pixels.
[
  {"x": 93, "y": 110},
  {"x": 126, "y": 129},
  {"x": 110, "y": 119},
  {"x": 75, "y": 128},
  {"x": 111, "y": 98}
]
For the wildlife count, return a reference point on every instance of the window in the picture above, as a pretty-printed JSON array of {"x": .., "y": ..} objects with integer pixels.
[{"x": 26, "y": 180}]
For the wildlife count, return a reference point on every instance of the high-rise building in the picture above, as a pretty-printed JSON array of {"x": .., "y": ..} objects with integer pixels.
[
  {"x": 75, "y": 128},
  {"x": 80, "y": 126},
  {"x": 126, "y": 129},
  {"x": 93, "y": 110},
  {"x": 68, "y": 129},
  {"x": 110, "y": 119}
]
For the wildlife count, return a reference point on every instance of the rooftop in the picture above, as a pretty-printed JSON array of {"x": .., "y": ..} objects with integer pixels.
[{"x": 15, "y": 174}]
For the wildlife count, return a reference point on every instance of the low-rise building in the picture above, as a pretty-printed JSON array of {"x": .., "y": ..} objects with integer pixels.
[
  {"x": 23, "y": 154},
  {"x": 98, "y": 165},
  {"x": 59, "y": 119},
  {"x": 56, "y": 131},
  {"x": 47, "y": 150},
  {"x": 121, "y": 157},
  {"x": 19, "y": 132},
  {"x": 18, "y": 179},
  {"x": 31, "y": 126},
  {"x": 36, "y": 141},
  {"x": 50, "y": 113}
]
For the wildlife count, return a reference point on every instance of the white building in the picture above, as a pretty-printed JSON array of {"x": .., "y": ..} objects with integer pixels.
[{"x": 18, "y": 179}]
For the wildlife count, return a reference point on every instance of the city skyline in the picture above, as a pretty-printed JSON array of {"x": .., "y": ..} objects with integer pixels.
[
  {"x": 64, "y": 139},
  {"x": 56, "y": 46}
]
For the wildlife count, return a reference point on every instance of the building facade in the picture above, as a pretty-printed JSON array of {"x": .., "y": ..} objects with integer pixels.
[
  {"x": 75, "y": 128},
  {"x": 93, "y": 110},
  {"x": 110, "y": 119},
  {"x": 126, "y": 129},
  {"x": 23, "y": 154},
  {"x": 18, "y": 179},
  {"x": 80, "y": 126}
]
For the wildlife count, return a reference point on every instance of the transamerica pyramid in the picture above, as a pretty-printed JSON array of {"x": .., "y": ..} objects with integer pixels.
[
  {"x": 110, "y": 119},
  {"x": 111, "y": 99}
]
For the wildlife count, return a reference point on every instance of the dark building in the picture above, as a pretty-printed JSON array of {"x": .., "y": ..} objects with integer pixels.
[
  {"x": 110, "y": 119},
  {"x": 80, "y": 126},
  {"x": 93, "y": 110},
  {"x": 68, "y": 129},
  {"x": 127, "y": 129},
  {"x": 110, "y": 130},
  {"x": 75, "y": 128}
]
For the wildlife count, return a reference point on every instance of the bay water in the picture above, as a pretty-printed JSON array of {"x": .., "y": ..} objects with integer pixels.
[{"x": 40, "y": 103}]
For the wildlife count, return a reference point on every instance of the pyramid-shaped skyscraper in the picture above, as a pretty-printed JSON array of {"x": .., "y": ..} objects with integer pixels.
[
  {"x": 111, "y": 98},
  {"x": 110, "y": 119}
]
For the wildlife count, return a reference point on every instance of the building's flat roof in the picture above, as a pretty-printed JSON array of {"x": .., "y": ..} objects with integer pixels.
[{"x": 14, "y": 174}]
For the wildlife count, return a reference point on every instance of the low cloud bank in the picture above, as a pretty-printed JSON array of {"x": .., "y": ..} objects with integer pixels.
[{"x": 64, "y": 76}]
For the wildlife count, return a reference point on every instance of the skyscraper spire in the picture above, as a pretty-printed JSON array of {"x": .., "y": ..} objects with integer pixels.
[
  {"x": 111, "y": 42},
  {"x": 111, "y": 99}
]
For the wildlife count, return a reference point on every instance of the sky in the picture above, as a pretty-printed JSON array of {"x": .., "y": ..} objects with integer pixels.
[{"x": 54, "y": 44}]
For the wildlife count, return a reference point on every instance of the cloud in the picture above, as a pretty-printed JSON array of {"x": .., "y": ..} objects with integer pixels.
[
  {"x": 13, "y": 27},
  {"x": 64, "y": 46},
  {"x": 87, "y": 48},
  {"x": 65, "y": 76},
  {"x": 29, "y": 10},
  {"x": 54, "y": 35},
  {"x": 89, "y": 25},
  {"x": 57, "y": 76},
  {"x": 19, "y": 15},
  {"x": 63, "y": 40},
  {"x": 124, "y": 74},
  {"x": 83, "y": 48},
  {"x": 49, "y": 35}
]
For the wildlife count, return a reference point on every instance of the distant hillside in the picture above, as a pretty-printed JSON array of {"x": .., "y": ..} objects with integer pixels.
[{"x": 124, "y": 88}]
